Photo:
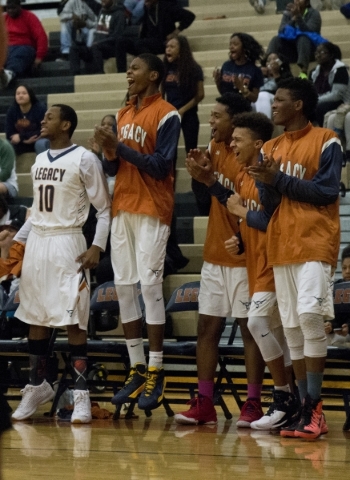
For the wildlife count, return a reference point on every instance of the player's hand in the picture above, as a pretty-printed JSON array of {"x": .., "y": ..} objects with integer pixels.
[
  {"x": 89, "y": 259},
  {"x": 232, "y": 203},
  {"x": 107, "y": 140},
  {"x": 232, "y": 245},
  {"x": 266, "y": 171},
  {"x": 199, "y": 166},
  {"x": 94, "y": 147}
]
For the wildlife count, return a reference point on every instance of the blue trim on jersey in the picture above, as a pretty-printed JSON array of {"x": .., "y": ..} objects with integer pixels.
[
  {"x": 323, "y": 189},
  {"x": 160, "y": 163},
  {"x": 52, "y": 159}
]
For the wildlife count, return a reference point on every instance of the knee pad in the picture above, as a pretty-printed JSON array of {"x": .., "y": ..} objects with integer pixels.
[
  {"x": 268, "y": 345},
  {"x": 295, "y": 341},
  {"x": 315, "y": 339},
  {"x": 154, "y": 303},
  {"x": 129, "y": 304}
]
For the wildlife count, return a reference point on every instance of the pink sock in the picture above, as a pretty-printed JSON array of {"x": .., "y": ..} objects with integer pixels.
[
  {"x": 254, "y": 390},
  {"x": 206, "y": 388}
]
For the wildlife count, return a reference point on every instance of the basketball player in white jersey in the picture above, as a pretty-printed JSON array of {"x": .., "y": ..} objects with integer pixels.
[{"x": 54, "y": 286}]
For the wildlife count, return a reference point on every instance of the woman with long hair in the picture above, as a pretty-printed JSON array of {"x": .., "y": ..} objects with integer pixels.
[
  {"x": 240, "y": 74},
  {"x": 23, "y": 122},
  {"x": 183, "y": 86}
]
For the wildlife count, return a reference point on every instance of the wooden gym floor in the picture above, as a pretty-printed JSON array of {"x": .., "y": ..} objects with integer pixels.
[{"x": 156, "y": 448}]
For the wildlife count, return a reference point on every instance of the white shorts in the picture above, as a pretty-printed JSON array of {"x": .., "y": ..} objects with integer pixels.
[
  {"x": 52, "y": 293},
  {"x": 264, "y": 304},
  {"x": 304, "y": 288},
  {"x": 138, "y": 246},
  {"x": 223, "y": 291}
]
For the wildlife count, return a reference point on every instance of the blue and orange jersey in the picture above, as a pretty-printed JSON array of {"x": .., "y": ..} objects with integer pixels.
[
  {"x": 148, "y": 139},
  {"x": 222, "y": 225}
]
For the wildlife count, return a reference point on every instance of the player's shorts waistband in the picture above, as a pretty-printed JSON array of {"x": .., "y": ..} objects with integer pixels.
[{"x": 50, "y": 231}]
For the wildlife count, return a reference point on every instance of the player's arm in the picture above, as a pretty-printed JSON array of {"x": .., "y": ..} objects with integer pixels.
[
  {"x": 96, "y": 187},
  {"x": 159, "y": 164}
]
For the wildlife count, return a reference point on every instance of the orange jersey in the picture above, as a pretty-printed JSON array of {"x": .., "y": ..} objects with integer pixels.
[
  {"x": 153, "y": 131},
  {"x": 301, "y": 230},
  {"x": 260, "y": 275},
  {"x": 222, "y": 225}
]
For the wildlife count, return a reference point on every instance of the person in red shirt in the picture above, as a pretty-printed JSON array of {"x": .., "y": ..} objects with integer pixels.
[{"x": 27, "y": 42}]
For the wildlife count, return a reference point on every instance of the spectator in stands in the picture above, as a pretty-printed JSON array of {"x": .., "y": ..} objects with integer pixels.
[
  {"x": 110, "y": 25},
  {"x": 240, "y": 74},
  {"x": 276, "y": 68},
  {"x": 12, "y": 218},
  {"x": 23, "y": 122},
  {"x": 78, "y": 22},
  {"x": 27, "y": 42},
  {"x": 341, "y": 323},
  {"x": 158, "y": 24},
  {"x": 331, "y": 80},
  {"x": 183, "y": 86},
  {"x": 54, "y": 287},
  {"x": 259, "y": 5},
  {"x": 142, "y": 154},
  {"x": 303, "y": 167},
  {"x": 339, "y": 121},
  {"x": 8, "y": 177},
  {"x": 224, "y": 283},
  {"x": 299, "y": 19}
]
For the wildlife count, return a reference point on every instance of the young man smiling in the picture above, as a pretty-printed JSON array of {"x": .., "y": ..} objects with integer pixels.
[
  {"x": 54, "y": 287},
  {"x": 224, "y": 286},
  {"x": 142, "y": 156},
  {"x": 303, "y": 166}
]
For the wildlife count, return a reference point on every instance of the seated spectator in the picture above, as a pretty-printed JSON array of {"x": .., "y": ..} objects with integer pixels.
[
  {"x": 109, "y": 122},
  {"x": 299, "y": 48},
  {"x": 339, "y": 121},
  {"x": 27, "y": 42},
  {"x": 23, "y": 122},
  {"x": 276, "y": 69},
  {"x": 110, "y": 25},
  {"x": 78, "y": 22},
  {"x": 183, "y": 86},
  {"x": 240, "y": 74},
  {"x": 12, "y": 218},
  {"x": 331, "y": 79},
  {"x": 8, "y": 177},
  {"x": 340, "y": 326},
  {"x": 158, "y": 25}
]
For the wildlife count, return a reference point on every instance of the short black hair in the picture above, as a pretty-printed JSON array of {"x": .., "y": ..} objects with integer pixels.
[
  {"x": 235, "y": 103},
  {"x": 258, "y": 123},
  {"x": 345, "y": 253},
  {"x": 304, "y": 90},
  {"x": 332, "y": 49},
  {"x": 69, "y": 114},
  {"x": 154, "y": 64}
]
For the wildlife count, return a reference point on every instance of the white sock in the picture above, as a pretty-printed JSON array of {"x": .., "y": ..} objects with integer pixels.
[
  {"x": 136, "y": 351},
  {"x": 155, "y": 359},
  {"x": 285, "y": 388}
]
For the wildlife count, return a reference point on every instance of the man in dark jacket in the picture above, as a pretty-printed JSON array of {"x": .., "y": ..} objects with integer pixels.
[
  {"x": 158, "y": 23},
  {"x": 110, "y": 25}
]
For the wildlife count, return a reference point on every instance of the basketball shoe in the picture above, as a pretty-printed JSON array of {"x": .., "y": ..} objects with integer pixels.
[
  {"x": 281, "y": 411},
  {"x": 82, "y": 407},
  {"x": 33, "y": 396},
  {"x": 133, "y": 386},
  {"x": 201, "y": 412},
  {"x": 250, "y": 412},
  {"x": 289, "y": 430},
  {"x": 312, "y": 423},
  {"x": 153, "y": 392}
]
